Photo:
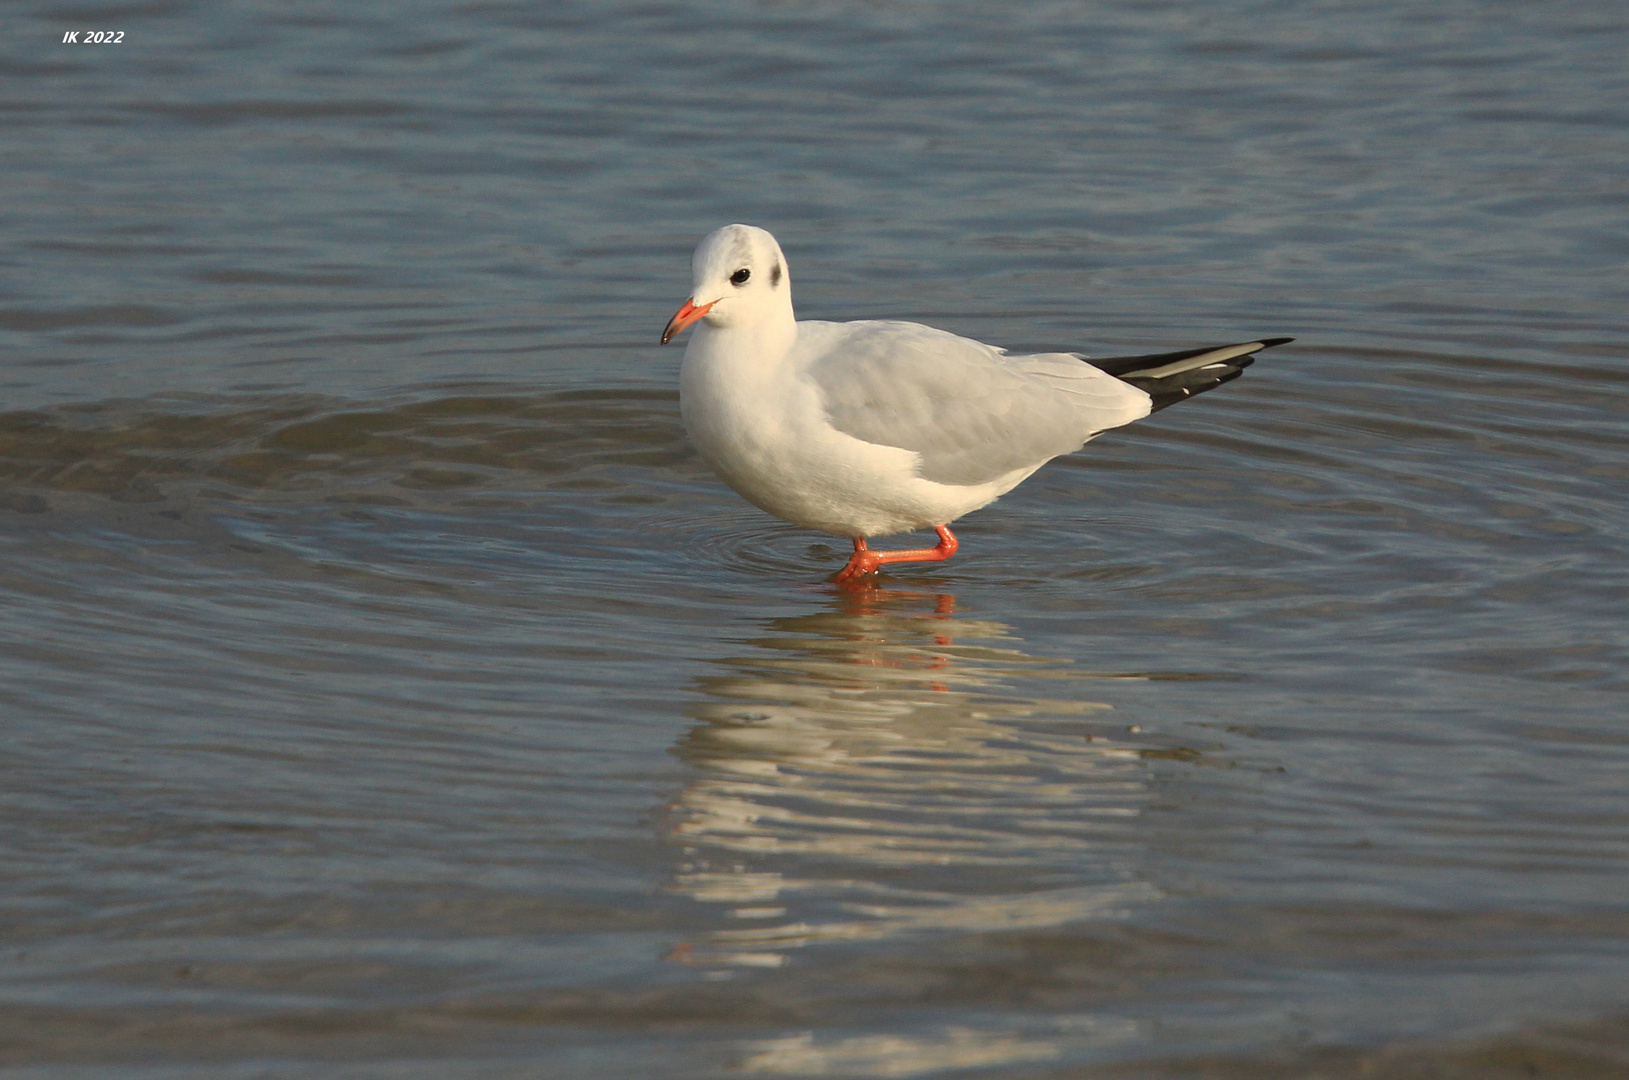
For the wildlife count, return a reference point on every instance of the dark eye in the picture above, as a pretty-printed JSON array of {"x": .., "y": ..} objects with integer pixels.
[{"x": 740, "y": 276}]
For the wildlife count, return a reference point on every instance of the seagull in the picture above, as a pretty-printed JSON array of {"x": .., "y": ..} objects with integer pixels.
[{"x": 870, "y": 428}]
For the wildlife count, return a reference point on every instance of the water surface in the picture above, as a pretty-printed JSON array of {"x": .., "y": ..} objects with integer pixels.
[{"x": 389, "y": 691}]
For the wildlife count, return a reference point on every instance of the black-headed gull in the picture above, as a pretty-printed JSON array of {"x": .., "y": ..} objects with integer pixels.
[{"x": 863, "y": 429}]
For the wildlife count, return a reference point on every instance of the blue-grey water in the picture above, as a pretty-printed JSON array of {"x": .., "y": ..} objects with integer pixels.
[{"x": 388, "y": 691}]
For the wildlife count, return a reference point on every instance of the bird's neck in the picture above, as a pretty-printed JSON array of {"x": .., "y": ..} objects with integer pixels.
[{"x": 763, "y": 344}]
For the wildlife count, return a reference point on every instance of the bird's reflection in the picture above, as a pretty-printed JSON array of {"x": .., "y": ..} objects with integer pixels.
[{"x": 872, "y": 769}]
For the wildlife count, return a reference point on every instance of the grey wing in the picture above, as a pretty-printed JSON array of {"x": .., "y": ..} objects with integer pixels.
[{"x": 972, "y": 413}]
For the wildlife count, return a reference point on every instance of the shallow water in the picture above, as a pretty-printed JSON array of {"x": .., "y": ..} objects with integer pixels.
[{"x": 389, "y": 691}]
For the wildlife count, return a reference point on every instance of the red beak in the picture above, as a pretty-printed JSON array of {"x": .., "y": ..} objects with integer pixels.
[{"x": 685, "y": 316}]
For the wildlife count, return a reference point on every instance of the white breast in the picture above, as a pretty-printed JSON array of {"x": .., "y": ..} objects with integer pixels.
[{"x": 761, "y": 426}]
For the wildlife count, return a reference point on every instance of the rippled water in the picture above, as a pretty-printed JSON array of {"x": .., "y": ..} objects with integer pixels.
[{"x": 389, "y": 691}]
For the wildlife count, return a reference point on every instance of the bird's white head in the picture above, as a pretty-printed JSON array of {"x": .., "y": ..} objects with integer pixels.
[{"x": 740, "y": 280}]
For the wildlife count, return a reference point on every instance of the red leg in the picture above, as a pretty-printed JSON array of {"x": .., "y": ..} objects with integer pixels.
[{"x": 865, "y": 561}]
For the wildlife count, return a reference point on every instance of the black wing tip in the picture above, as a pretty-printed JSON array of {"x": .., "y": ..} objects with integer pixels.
[
  {"x": 1125, "y": 367},
  {"x": 1167, "y": 390}
]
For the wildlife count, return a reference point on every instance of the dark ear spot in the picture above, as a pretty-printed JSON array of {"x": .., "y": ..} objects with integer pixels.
[{"x": 775, "y": 275}]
